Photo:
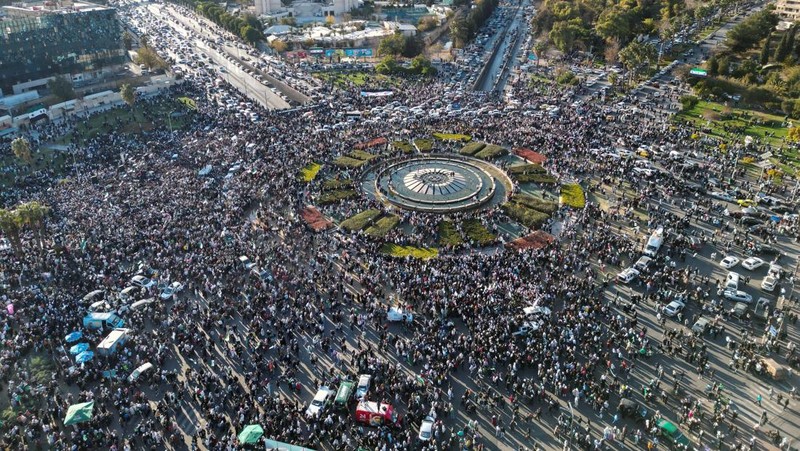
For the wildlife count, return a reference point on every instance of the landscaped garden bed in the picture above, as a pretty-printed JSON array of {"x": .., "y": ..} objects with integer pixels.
[
  {"x": 531, "y": 156},
  {"x": 403, "y": 146},
  {"x": 373, "y": 143},
  {"x": 309, "y": 172},
  {"x": 536, "y": 240},
  {"x": 448, "y": 235},
  {"x": 478, "y": 233},
  {"x": 572, "y": 195},
  {"x": 354, "y": 159},
  {"x": 383, "y": 226},
  {"x": 360, "y": 220},
  {"x": 395, "y": 250},
  {"x": 452, "y": 137},
  {"x": 529, "y": 211},
  {"x": 491, "y": 151},
  {"x": 331, "y": 197},
  {"x": 472, "y": 148},
  {"x": 527, "y": 173},
  {"x": 537, "y": 204},
  {"x": 336, "y": 184},
  {"x": 423, "y": 144},
  {"x": 314, "y": 219}
]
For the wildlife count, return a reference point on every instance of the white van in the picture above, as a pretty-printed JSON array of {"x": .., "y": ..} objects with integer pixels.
[{"x": 732, "y": 281}]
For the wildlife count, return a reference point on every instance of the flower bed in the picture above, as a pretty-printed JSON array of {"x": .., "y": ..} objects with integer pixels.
[
  {"x": 395, "y": 250},
  {"x": 452, "y": 137},
  {"x": 423, "y": 144},
  {"x": 478, "y": 233},
  {"x": 309, "y": 172},
  {"x": 331, "y": 197},
  {"x": 334, "y": 184},
  {"x": 529, "y": 217},
  {"x": 572, "y": 195},
  {"x": 448, "y": 235},
  {"x": 403, "y": 146},
  {"x": 533, "y": 157},
  {"x": 536, "y": 240},
  {"x": 491, "y": 151},
  {"x": 472, "y": 148},
  {"x": 374, "y": 143},
  {"x": 360, "y": 220},
  {"x": 314, "y": 219},
  {"x": 383, "y": 226}
]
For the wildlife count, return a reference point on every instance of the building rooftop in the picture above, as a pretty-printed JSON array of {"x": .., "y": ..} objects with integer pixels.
[{"x": 34, "y": 9}]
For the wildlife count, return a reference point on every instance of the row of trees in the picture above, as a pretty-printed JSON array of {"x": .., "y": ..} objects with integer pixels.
[
  {"x": 400, "y": 45},
  {"x": 752, "y": 30},
  {"x": 419, "y": 66},
  {"x": 246, "y": 26},
  {"x": 30, "y": 215},
  {"x": 464, "y": 26}
]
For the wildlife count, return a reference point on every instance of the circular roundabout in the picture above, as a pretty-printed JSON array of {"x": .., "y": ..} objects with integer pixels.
[{"x": 438, "y": 183}]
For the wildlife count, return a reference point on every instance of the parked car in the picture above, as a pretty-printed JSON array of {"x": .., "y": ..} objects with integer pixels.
[
  {"x": 752, "y": 263},
  {"x": 673, "y": 308},
  {"x": 395, "y": 314},
  {"x": 737, "y": 296},
  {"x": 769, "y": 283},
  {"x": 173, "y": 288},
  {"x": 426, "y": 429},
  {"x": 729, "y": 262},
  {"x": 627, "y": 275},
  {"x": 321, "y": 400},
  {"x": 700, "y": 326},
  {"x": 142, "y": 281},
  {"x": 362, "y": 388}
]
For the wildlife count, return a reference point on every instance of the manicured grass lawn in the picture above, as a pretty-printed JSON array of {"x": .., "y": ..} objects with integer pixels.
[
  {"x": 395, "y": 250},
  {"x": 403, "y": 146},
  {"x": 424, "y": 144},
  {"x": 331, "y": 197},
  {"x": 309, "y": 172},
  {"x": 42, "y": 158},
  {"x": 472, "y": 148},
  {"x": 359, "y": 79},
  {"x": 348, "y": 162},
  {"x": 383, "y": 226},
  {"x": 491, "y": 151},
  {"x": 452, "y": 137},
  {"x": 337, "y": 184},
  {"x": 764, "y": 126},
  {"x": 360, "y": 220}
]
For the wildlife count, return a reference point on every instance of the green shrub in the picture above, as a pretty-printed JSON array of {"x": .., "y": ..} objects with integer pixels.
[
  {"x": 334, "y": 184},
  {"x": 361, "y": 155},
  {"x": 532, "y": 168},
  {"x": 478, "y": 233},
  {"x": 424, "y": 144},
  {"x": 309, "y": 172},
  {"x": 403, "y": 146},
  {"x": 566, "y": 77},
  {"x": 472, "y": 148},
  {"x": 448, "y": 235},
  {"x": 330, "y": 197},
  {"x": 572, "y": 195},
  {"x": 383, "y": 226},
  {"x": 42, "y": 369},
  {"x": 491, "y": 151},
  {"x": 688, "y": 102},
  {"x": 395, "y": 250},
  {"x": 533, "y": 219},
  {"x": 534, "y": 203},
  {"x": 360, "y": 220},
  {"x": 535, "y": 178},
  {"x": 452, "y": 137},
  {"x": 347, "y": 162}
]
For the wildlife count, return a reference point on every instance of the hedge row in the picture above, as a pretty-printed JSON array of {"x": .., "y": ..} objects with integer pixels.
[
  {"x": 533, "y": 219},
  {"x": 334, "y": 184},
  {"x": 383, "y": 226},
  {"x": 572, "y": 195},
  {"x": 360, "y": 220},
  {"x": 349, "y": 163},
  {"x": 534, "y": 203},
  {"x": 527, "y": 169},
  {"x": 395, "y": 250},
  {"x": 448, "y": 235},
  {"x": 330, "y": 197},
  {"x": 452, "y": 137},
  {"x": 472, "y": 148},
  {"x": 535, "y": 178},
  {"x": 478, "y": 233}
]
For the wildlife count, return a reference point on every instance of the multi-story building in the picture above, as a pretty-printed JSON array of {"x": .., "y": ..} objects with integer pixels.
[
  {"x": 788, "y": 10},
  {"x": 42, "y": 40}
]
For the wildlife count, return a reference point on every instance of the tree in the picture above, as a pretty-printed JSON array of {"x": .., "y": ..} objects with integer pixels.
[
  {"x": 32, "y": 215},
  {"x": 783, "y": 48},
  {"x": 149, "y": 57},
  {"x": 564, "y": 35},
  {"x": 392, "y": 45},
  {"x": 22, "y": 150},
  {"x": 144, "y": 41},
  {"x": 751, "y": 30},
  {"x": 612, "y": 51},
  {"x": 11, "y": 225},
  {"x": 427, "y": 23},
  {"x": 713, "y": 66},
  {"x": 250, "y": 34},
  {"x": 635, "y": 55},
  {"x": 279, "y": 46},
  {"x": 127, "y": 93},
  {"x": 613, "y": 78},
  {"x": 793, "y": 135},
  {"x": 388, "y": 65},
  {"x": 127, "y": 40},
  {"x": 61, "y": 88},
  {"x": 614, "y": 22},
  {"x": 765, "y": 52},
  {"x": 413, "y": 46}
]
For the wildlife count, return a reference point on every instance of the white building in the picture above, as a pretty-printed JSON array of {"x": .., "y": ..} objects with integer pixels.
[{"x": 266, "y": 7}]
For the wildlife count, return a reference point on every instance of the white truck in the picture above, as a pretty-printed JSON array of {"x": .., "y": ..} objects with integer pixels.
[{"x": 654, "y": 243}]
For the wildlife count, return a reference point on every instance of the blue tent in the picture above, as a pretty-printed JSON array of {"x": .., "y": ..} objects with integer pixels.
[
  {"x": 78, "y": 348},
  {"x": 74, "y": 336},
  {"x": 84, "y": 356}
]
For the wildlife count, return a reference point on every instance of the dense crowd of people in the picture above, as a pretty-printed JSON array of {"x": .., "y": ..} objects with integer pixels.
[{"x": 235, "y": 349}]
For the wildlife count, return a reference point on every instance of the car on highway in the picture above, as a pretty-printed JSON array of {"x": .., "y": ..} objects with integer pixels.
[
  {"x": 627, "y": 275},
  {"x": 364, "y": 382},
  {"x": 721, "y": 195},
  {"x": 769, "y": 283},
  {"x": 737, "y": 296},
  {"x": 729, "y": 262},
  {"x": 673, "y": 308},
  {"x": 701, "y": 325},
  {"x": 142, "y": 281},
  {"x": 752, "y": 263},
  {"x": 173, "y": 288},
  {"x": 320, "y": 402},
  {"x": 745, "y": 202}
]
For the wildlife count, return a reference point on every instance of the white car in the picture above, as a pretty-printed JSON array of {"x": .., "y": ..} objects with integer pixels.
[
  {"x": 426, "y": 429},
  {"x": 397, "y": 314},
  {"x": 752, "y": 263},
  {"x": 528, "y": 327},
  {"x": 627, "y": 275},
  {"x": 320, "y": 401},
  {"x": 673, "y": 308},
  {"x": 729, "y": 262},
  {"x": 173, "y": 288},
  {"x": 769, "y": 283},
  {"x": 737, "y": 296},
  {"x": 142, "y": 281}
]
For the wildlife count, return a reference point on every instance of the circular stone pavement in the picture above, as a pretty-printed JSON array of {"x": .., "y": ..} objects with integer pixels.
[{"x": 438, "y": 184}]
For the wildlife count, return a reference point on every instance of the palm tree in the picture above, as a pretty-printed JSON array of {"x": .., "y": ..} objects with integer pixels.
[
  {"x": 22, "y": 149},
  {"x": 11, "y": 224},
  {"x": 32, "y": 215}
]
